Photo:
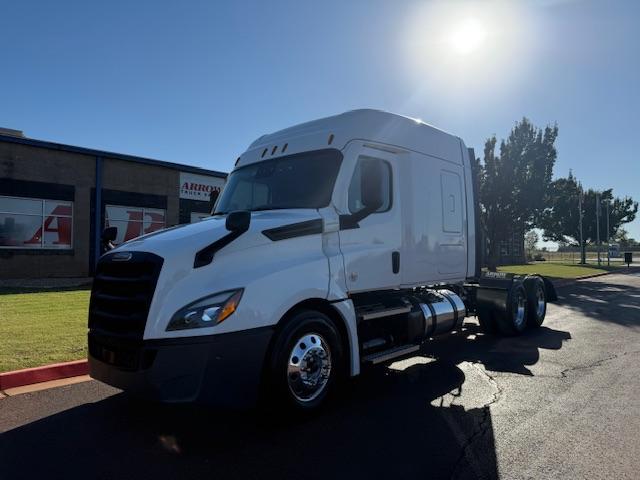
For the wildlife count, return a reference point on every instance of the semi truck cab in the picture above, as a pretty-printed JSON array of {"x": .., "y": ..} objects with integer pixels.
[{"x": 335, "y": 244}]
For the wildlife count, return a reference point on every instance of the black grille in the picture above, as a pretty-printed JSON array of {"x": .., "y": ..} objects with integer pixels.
[
  {"x": 122, "y": 292},
  {"x": 126, "y": 355}
]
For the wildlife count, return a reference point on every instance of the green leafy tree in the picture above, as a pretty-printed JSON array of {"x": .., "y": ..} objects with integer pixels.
[
  {"x": 514, "y": 184},
  {"x": 622, "y": 237},
  {"x": 531, "y": 240},
  {"x": 561, "y": 219}
]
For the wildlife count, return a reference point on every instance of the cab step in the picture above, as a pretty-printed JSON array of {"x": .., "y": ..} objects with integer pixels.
[{"x": 385, "y": 355}]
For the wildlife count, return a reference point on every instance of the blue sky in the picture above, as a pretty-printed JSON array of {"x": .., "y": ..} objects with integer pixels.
[{"x": 196, "y": 82}]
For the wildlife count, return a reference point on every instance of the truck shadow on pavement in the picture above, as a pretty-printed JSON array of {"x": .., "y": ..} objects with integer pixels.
[{"x": 388, "y": 423}]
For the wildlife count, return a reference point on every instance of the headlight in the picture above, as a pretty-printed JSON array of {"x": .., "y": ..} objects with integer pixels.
[{"x": 206, "y": 312}]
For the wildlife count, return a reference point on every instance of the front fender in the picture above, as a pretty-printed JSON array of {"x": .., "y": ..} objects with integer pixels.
[{"x": 275, "y": 276}]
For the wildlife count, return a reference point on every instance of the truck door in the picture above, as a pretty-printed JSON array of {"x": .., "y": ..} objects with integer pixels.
[
  {"x": 452, "y": 249},
  {"x": 371, "y": 251},
  {"x": 435, "y": 242}
]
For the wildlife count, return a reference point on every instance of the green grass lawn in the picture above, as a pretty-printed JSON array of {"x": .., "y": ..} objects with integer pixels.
[
  {"x": 556, "y": 270},
  {"x": 42, "y": 328}
]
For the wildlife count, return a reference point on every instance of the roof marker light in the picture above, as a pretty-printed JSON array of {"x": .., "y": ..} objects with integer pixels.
[
  {"x": 330, "y": 139},
  {"x": 284, "y": 147},
  {"x": 274, "y": 149},
  {"x": 264, "y": 152}
]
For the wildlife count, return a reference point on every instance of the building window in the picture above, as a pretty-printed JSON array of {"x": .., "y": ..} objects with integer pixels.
[
  {"x": 35, "y": 223},
  {"x": 133, "y": 221}
]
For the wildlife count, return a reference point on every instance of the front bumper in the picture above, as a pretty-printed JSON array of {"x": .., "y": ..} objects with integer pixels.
[{"x": 222, "y": 369}]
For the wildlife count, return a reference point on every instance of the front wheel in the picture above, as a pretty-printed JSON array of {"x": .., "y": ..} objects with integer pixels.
[{"x": 306, "y": 361}]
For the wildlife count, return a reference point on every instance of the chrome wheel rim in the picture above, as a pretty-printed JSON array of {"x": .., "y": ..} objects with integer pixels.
[
  {"x": 519, "y": 310},
  {"x": 541, "y": 303},
  {"x": 309, "y": 367}
]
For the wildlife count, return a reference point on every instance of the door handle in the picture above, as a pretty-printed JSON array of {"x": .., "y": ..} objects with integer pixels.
[{"x": 395, "y": 262}]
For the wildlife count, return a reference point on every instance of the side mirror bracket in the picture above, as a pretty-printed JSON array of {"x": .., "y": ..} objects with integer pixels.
[
  {"x": 107, "y": 237},
  {"x": 237, "y": 222},
  {"x": 370, "y": 192}
]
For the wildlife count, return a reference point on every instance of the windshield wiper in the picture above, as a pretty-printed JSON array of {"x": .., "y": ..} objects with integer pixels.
[{"x": 261, "y": 208}]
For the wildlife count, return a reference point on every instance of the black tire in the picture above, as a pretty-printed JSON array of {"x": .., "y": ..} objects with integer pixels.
[
  {"x": 513, "y": 321},
  {"x": 536, "y": 301},
  {"x": 318, "y": 329},
  {"x": 487, "y": 322}
]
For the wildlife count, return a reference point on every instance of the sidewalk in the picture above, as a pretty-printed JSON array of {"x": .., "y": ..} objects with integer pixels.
[{"x": 561, "y": 282}]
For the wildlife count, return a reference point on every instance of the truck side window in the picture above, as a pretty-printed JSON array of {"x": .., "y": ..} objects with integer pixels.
[{"x": 355, "y": 198}]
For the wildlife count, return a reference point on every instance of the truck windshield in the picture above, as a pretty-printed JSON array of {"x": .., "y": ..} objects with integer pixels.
[{"x": 302, "y": 180}]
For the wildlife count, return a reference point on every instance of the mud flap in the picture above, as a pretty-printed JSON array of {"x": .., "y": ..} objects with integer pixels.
[{"x": 493, "y": 291}]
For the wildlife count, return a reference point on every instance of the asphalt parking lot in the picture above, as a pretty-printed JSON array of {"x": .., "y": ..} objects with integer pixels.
[{"x": 560, "y": 402}]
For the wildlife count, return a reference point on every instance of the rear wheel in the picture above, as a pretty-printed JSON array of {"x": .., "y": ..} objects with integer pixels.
[
  {"x": 306, "y": 362},
  {"x": 536, "y": 301},
  {"x": 513, "y": 321}
]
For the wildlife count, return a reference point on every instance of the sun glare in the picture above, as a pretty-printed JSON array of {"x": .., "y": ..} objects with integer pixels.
[
  {"x": 453, "y": 49},
  {"x": 467, "y": 37}
]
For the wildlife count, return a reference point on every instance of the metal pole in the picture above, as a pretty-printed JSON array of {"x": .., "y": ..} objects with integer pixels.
[
  {"x": 608, "y": 249},
  {"x": 97, "y": 219},
  {"x": 582, "y": 253},
  {"x": 598, "y": 225}
]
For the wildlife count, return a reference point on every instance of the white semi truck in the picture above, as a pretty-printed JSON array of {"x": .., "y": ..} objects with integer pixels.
[{"x": 335, "y": 244}]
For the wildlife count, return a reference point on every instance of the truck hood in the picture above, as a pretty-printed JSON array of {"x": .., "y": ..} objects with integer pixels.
[{"x": 189, "y": 239}]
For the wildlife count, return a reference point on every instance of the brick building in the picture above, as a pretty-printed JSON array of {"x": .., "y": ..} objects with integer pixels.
[
  {"x": 49, "y": 223},
  {"x": 512, "y": 248}
]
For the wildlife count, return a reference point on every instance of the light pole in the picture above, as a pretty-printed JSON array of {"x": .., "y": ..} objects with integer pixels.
[
  {"x": 583, "y": 260},
  {"x": 598, "y": 224},
  {"x": 608, "y": 249}
]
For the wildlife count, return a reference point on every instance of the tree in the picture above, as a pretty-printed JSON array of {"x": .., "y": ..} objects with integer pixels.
[
  {"x": 513, "y": 185},
  {"x": 531, "y": 240},
  {"x": 623, "y": 239},
  {"x": 561, "y": 219}
]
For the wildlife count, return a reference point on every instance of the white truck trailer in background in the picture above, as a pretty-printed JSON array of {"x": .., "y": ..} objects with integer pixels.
[{"x": 335, "y": 244}]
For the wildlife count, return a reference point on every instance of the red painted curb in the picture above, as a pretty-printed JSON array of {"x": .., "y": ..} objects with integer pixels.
[{"x": 28, "y": 376}]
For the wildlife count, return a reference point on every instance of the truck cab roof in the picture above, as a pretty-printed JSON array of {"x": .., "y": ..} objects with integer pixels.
[{"x": 396, "y": 132}]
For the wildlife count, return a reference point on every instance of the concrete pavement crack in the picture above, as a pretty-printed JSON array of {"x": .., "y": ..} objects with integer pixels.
[
  {"x": 483, "y": 425},
  {"x": 596, "y": 363}
]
